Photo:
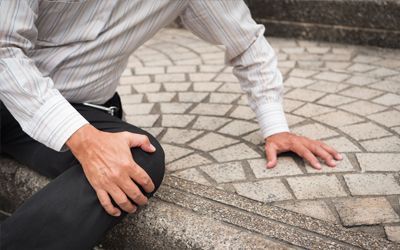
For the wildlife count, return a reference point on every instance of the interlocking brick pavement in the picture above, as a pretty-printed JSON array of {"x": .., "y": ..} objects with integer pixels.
[{"x": 177, "y": 87}]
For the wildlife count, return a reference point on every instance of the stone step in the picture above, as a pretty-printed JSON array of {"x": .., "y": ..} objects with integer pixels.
[
  {"x": 370, "y": 22},
  {"x": 187, "y": 215}
]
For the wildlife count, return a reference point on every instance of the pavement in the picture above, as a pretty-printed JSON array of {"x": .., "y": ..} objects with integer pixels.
[
  {"x": 217, "y": 192},
  {"x": 177, "y": 87}
]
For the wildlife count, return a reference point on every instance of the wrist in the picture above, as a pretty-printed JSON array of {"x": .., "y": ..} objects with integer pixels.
[{"x": 81, "y": 137}]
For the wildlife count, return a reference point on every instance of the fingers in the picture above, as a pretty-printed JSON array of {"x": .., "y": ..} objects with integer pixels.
[
  {"x": 323, "y": 154},
  {"x": 308, "y": 155},
  {"x": 121, "y": 199},
  {"x": 133, "y": 192},
  {"x": 270, "y": 150},
  {"x": 333, "y": 152},
  {"x": 141, "y": 177},
  {"x": 139, "y": 140},
  {"x": 105, "y": 202}
]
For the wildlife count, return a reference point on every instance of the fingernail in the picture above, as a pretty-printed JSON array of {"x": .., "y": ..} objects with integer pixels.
[
  {"x": 340, "y": 157},
  {"x": 333, "y": 162},
  {"x": 118, "y": 213},
  {"x": 152, "y": 147},
  {"x": 318, "y": 165}
]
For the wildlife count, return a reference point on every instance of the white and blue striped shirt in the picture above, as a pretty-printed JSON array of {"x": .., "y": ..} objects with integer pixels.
[{"x": 60, "y": 51}]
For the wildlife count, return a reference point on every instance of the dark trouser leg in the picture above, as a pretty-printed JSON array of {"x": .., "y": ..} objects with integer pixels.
[{"x": 66, "y": 213}]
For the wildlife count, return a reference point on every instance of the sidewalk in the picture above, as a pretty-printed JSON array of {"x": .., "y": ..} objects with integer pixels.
[
  {"x": 217, "y": 192},
  {"x": 177, "y": 87}
]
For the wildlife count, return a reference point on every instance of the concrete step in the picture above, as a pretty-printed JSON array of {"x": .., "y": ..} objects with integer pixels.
[
  {"x": 370, "y": 22},
  {"x": 187, "y": 215}
]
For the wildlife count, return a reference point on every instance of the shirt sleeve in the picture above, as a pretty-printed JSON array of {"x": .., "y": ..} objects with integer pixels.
[
  {"x": 40, "y": 109},
  {"x": 254, "y": 61}
]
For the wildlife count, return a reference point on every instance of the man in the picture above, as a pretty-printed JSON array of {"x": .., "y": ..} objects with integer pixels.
[{"x": 57, "y": 56}]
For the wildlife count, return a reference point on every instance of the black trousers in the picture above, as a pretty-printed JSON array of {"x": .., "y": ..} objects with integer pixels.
[{"x": 66, "y": 213}]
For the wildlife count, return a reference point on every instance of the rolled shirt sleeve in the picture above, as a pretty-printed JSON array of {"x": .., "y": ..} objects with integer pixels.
[
  {"x": 253, "y": 60},
  {"x": 42, "y": 112}
]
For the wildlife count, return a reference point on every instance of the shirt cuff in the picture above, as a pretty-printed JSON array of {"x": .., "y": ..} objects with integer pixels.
[
  {"x": 55, "y": 122},
  {"x": 272, "y": 120}
]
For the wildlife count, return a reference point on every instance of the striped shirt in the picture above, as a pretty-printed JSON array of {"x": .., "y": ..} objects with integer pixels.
[{"x": 61, "y": 51}]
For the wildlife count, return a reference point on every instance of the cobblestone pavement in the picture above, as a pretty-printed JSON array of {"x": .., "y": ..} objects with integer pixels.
[{"x": 177, "y": 87}]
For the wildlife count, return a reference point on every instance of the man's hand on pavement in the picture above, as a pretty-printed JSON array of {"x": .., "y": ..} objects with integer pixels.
[
  {"x": 107, "y": 162},
  {"x": 306, "y": 148}
]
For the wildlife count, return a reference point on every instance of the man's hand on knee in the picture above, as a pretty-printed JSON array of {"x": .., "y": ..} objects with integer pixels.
[{"x": 107, "y": 162}]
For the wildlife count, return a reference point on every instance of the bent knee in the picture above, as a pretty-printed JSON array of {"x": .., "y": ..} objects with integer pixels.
[{"x": 153, "y": 163}]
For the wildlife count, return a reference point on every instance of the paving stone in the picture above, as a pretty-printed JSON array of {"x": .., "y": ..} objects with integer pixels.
[
  {"x": 174, "y": 152},
  {"x": 386, "y": 144},
  {"x": 332, "y": 65},
  {"x": 201, "y": 77},
  {"x": 310, "y": 110},
  {"x": 126, "y": 72},
  {"x": 334, "y": 100},
  {"x": 360, "y": 80},
  {"x": 331, "y": 76},
  {"x": 175, "y": 77},
  {"x": 171, "y": 86},
  {"x": 212, "y": 141},
  {"x": 382, "y": 72},
  {"x": 124, "y": 90},
  {"x": 304, "y": 95},
  {"x": 134, "y": 80},
  {"x": 362, "y": 107},
  {"x": 129, "y": 99},
  {"x": 213, "y": 68},
  {"x": 388, "y": 99},
  {"x": 188, "y": 162},
  {"x": 148, "y": 87},
  {"x": 315, "y": 131},
  {"x": 236, "y": 152},
  {"x": 181, "y": 136},
  {"x": 338, "y": 119},
  {"x": 223, "y": 97},
  {"x": 315, "y": 209},
  {"x": 225, "y": 172},
  {"x": 297, "y": 82},
  {"x": 142, "y": 120},
  {"x": 318, "y": 50},
  {"x": 226, "y": 77},
  {"x": 192, "y": 96},
  {"x": 181, "y": 69},
  {"x": 342, "y": 144},
  {"x": 160, "y": 97},
  {"x": 211, "y": 109},
  {"x": 210, "y": 122},
  {"x": 286, "y": 166},
  {"x": 336, "y": 57},
  {"x": 137, "y": 108},
  {"x": 366, "y": 59},
  {"x": 365, "y": 211},
  {"x": 341, "y": 166},
  {"x": 255, "y": 138},
  {"x": 360, "y": 67},
  {"x": 326, "y": 86},
  {"x": 231, "y": 88},
  {"x": 237, "y": 128},
  {"x": 295, "y": 50},
  {"x": 393, "y": 233},
  {"x": 379, "y": 161},
  {"x": 361, "y": 93},
  {"x": 389, "y": 86},
  {"x": 243, "y": 100},
  {"x": 302, "y": 73},
  {"x": 264, "y": 191},
  {"x": 290, "y": 105},
  {"x": 174, "y": 107},
  {"x": 176, "y": 120},
  {"x": 292, "y": 119},
  {"x": 389, "y": 118},
  {"x": 364, "y": 131},
  {"x": 243, "y": 112},
  {"x": 192, "y": 174},
  {"x": 312, "y": 187},
  {"x": 149, "y": 70},
  {"x": 372, "y": 184},
  {"x": 206, "y": 86}
]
